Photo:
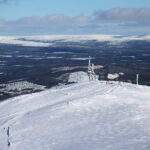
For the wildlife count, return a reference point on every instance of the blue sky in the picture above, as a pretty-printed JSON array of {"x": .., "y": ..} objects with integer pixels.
[
  {"x": 74, "y": 17},
  {"x": 21, "y": 8}
]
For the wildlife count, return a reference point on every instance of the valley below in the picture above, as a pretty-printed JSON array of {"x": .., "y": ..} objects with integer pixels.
[{"x": 47, "y": 61}]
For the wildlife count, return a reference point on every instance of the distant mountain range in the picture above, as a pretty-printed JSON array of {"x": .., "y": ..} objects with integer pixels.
[{"x": 51, "y": 40}]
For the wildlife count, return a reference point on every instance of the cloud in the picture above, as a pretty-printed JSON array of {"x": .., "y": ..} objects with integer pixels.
[
  {"x": 48, "y": 24},
  {"x": 112, "y": 21},
  {"x": 57, "y": 19},
  {"x": 123, "y": 14}
]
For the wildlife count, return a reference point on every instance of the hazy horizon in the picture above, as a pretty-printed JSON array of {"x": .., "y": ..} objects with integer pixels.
[{"x": 68, "y": 17}]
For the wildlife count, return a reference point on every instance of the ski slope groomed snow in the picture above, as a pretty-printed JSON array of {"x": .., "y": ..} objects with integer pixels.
[{"x": 94, "y": 115}]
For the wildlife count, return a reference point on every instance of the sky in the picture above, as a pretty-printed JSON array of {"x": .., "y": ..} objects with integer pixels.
[{"x": 46, "y": 17}]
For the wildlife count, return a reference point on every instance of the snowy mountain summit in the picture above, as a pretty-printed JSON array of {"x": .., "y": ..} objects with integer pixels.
[{"x": 96, "y": 115}]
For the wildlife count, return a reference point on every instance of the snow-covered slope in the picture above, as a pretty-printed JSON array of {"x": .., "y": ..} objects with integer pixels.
[{"x": 83, "y": 116}]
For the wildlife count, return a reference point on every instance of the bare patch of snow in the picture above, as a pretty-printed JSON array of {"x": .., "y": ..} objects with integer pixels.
[
  {"x": 121, "y": 73},
  {"x": 6, "y": 56},
  {"x": 98, "y": 66},
  {"x": 62, "y": 52},
  {"x": 66, "y": 68},
  {"x": 2, "y": 64},
  {"x": 53, "y": 57},
  {"x": 112, "y": 76},
  {"x": 146, "y": 54},
  {"x": 80, "y": 58},
  {"x": 24, "y": 56}
]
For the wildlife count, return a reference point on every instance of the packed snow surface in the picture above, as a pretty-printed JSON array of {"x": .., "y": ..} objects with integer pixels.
[{"x": 94, "y": 115}]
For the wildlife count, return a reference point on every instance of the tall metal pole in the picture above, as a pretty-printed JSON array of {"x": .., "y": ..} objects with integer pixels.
[
  {"x": 93, "y": 73},
  {"x": 137, "y": 79},
  {"x": 89, "y": 69}
]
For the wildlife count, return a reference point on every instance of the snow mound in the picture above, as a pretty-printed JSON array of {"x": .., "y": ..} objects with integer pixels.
[
  {"x": 112, "y": 76},
  {"x": 83, "y": 116},
  {"x": 78, "y": 77}
]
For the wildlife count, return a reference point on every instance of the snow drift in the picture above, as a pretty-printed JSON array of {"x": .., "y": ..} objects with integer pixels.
[
  {"x": 78, "y": 77},
  {"x": 83, "y": 116}
]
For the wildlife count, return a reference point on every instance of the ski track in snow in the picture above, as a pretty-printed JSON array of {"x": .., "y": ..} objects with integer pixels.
[{"x": 83, "y": 116}]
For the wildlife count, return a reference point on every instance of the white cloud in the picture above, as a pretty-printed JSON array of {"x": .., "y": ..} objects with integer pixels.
[
  {"x": 57, "y": 19},
  {"x": 112, "y": 21},
  {"x": 125, "y": 14}
]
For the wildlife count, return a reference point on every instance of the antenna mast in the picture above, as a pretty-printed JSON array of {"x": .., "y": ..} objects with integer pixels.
[{"x": 91, "y": 72}]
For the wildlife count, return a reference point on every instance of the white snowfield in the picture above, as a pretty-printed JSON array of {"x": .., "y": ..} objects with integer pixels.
[
  {"x": 78, "y": 77},
  {"x": 112, "y": 76},
  {"x": 48, "y": 40},
  {"x": 94, "y": 115}
]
